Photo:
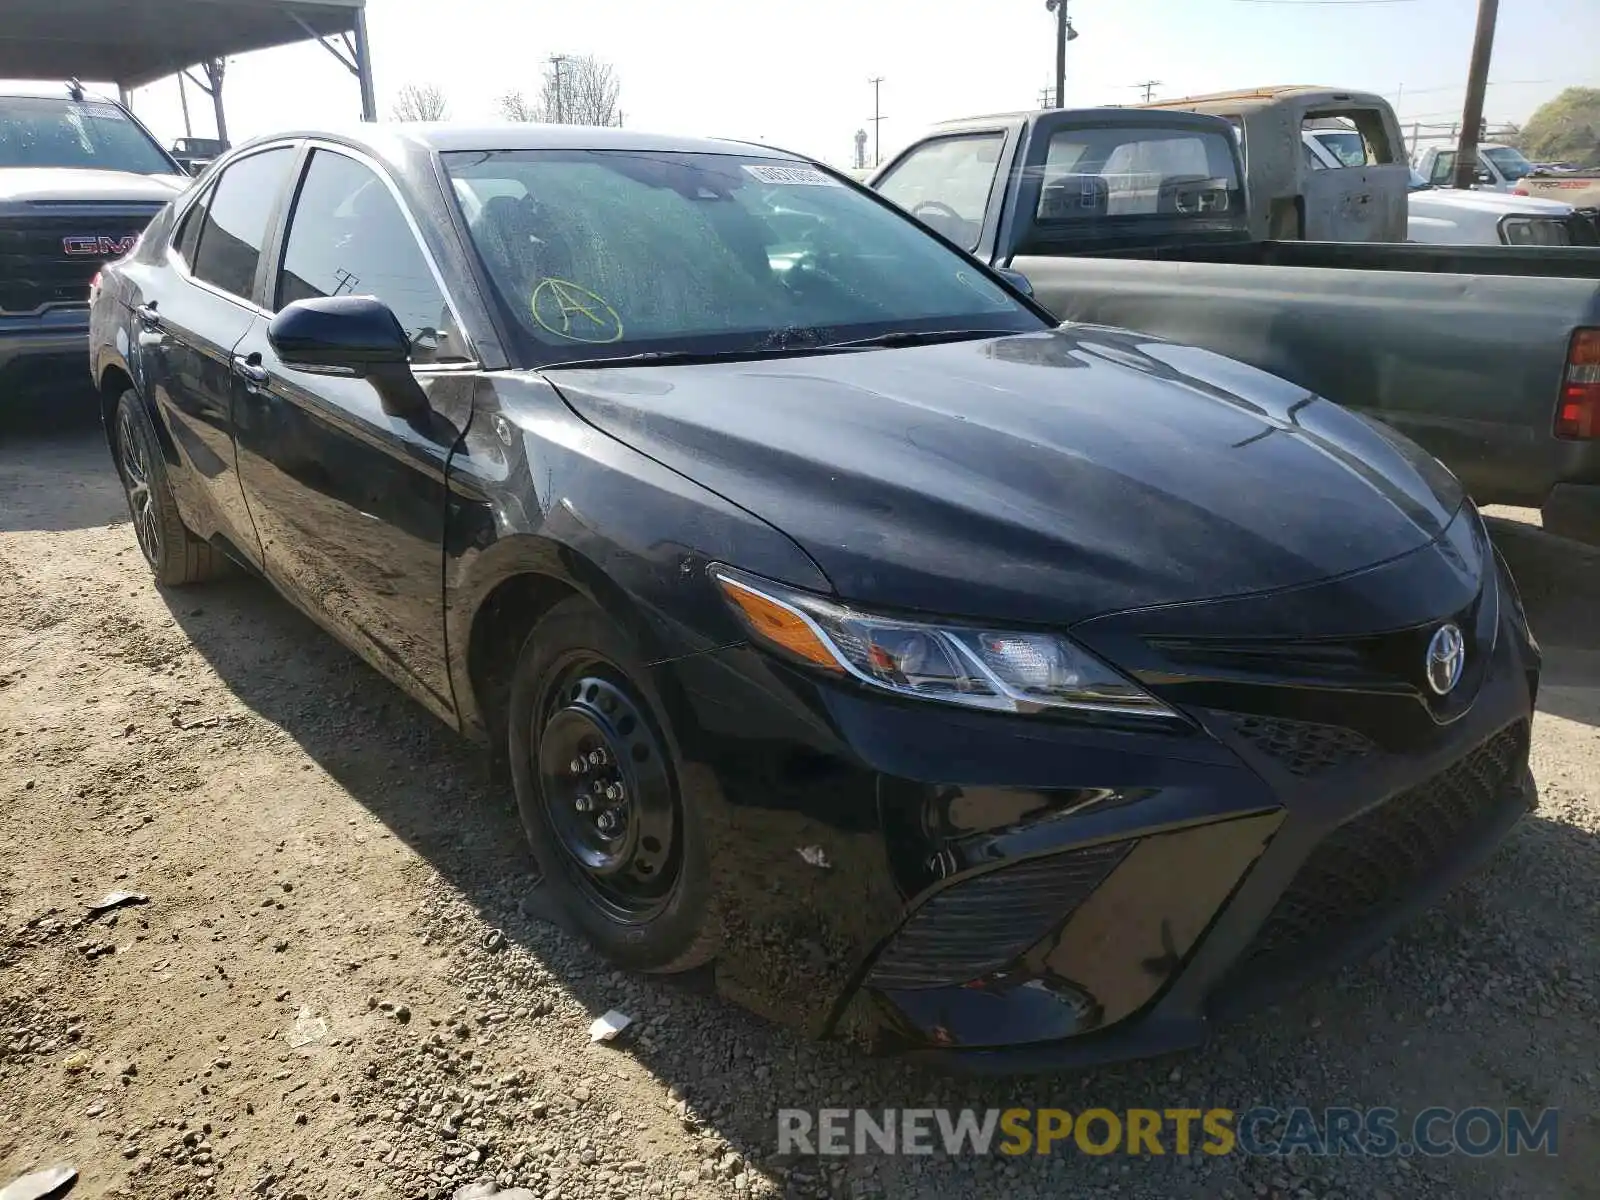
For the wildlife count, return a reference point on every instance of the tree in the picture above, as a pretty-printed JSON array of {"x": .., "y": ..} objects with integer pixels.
[
  {"x": 420, "y": 102},
  {"x": 1565, "y": 129},
  {"x": 514, "y": 106}
]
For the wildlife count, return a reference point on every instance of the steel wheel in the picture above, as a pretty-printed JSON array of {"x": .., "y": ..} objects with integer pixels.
[
  {"x": 136, "y": 482},
  {"x": 607, "y": 791}
]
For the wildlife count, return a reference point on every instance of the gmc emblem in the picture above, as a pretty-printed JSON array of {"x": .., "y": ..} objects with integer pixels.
[{"x": 102, "y": 246}]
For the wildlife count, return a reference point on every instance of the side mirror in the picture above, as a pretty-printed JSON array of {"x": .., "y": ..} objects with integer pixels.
[
  {"x": 1016, "y": 279},
  {"x": 1485, "y": 177},
  {"x": 351, "y": 335}
]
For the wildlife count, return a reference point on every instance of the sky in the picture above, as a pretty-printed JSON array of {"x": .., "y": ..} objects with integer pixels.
[{"x": 797, "y": 75}]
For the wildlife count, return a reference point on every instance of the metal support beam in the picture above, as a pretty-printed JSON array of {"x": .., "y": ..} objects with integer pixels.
[
  {"x": 349, "y": 64},
  {"x": 363, "y": 48}
]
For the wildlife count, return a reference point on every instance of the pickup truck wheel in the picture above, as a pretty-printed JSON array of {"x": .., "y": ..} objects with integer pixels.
[
  {"x": 175, "y": 555},
  {"x": 597, "y": 790}
]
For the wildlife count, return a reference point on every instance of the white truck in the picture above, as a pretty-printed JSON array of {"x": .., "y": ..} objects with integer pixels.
[{"x": 1443, "y": 215}]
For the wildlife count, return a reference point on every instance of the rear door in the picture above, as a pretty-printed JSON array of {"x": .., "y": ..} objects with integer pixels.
[
  {"x": 191, "y": 315},
  {"x": 350, "y": 501}
]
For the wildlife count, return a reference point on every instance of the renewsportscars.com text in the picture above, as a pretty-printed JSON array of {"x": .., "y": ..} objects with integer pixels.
[{"x": 1272, "y": 1132}]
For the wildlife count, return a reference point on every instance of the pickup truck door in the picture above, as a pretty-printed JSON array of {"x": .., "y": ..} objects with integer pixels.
[
  {"x": 1358, "y": 192},
  {"x": 350, "y": 500},
  {"x": 188, "y": 316}
]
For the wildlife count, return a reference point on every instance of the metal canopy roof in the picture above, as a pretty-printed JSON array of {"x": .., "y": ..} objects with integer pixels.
[{"x": 135, "y": 42}]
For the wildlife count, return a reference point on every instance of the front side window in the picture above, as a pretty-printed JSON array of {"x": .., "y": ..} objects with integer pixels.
[
  {"x": 236, "y": 220},
  {"x": 945, "y": 184},
  {"x": 607, "y": 253},
  {"x": 1136, "y": 171},
  {"x": 43, "y": 131},
  {"x": 349, "y": 237}
]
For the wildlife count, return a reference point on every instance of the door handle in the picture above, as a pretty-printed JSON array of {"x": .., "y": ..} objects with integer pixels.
[
  {"x": 148, "y": 317},
  {"x": 249, "y": 369}
]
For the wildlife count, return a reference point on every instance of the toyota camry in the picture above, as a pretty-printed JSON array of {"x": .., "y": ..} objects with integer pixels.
[{"x": 932, "y": 676}]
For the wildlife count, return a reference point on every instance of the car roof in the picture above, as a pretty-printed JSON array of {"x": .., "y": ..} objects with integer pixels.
[
  {"x": 393, "y": 139},
  {"x": 1264, "y": 97}
]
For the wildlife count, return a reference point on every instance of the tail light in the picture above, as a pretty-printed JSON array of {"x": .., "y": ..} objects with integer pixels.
[
  {"x": 1520, "y": 191},
  {"x": 1578, "y": 415}
]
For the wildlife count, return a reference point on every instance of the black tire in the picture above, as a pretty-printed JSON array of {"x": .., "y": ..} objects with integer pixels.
[
  {"x": 641, "y": 896},
  {"x": 1580, "y": 522},
  {"x": 176, "y": 557}
]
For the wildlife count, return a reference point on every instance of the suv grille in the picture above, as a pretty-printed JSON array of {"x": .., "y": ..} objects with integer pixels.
[
  {"x": 971, "y": 929},
  {"x": 1379, "y": 857},
  {"x": 35, "y": 269}
]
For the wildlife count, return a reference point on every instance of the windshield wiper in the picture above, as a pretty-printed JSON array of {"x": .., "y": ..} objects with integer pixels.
[
  {"x": 922, "y": 337},
  {"x": 656, "y": 357}
]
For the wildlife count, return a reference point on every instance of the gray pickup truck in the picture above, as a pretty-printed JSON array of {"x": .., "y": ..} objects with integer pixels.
[{"x": 1488, "y": 356}]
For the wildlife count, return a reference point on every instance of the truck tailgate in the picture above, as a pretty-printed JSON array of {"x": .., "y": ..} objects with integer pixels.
[{"x": 1470, "y": 366}]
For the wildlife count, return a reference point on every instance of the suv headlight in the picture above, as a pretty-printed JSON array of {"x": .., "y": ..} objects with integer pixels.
[{"x": 974, "y": 666}]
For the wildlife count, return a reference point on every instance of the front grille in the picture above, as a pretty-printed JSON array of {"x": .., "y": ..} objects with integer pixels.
[
  {"x": 1380, "y": 857},
  {"x": 1303, "y": 748},
  {"x": 971, "y": 929},
  {"x": 35, "y": 269}
]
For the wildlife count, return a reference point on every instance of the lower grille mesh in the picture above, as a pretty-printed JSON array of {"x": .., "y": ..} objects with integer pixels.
[
  {"x": 971, "y": 929},
  {"x": 1303, "y": 748},
  {"x": 1384, "y": 854}
]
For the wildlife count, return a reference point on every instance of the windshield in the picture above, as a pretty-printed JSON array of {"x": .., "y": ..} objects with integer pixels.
[
  {"x": 1510, "y": 162},
  {"x": 42, "y": 131},
  {"x": 611, "y": 253}
]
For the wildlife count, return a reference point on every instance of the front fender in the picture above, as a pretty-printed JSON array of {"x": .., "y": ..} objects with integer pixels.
[{"x": 536, "y": 493}]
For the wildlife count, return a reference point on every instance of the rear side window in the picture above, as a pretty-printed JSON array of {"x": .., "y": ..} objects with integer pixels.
[
  {"x": 945, "y": 184},
  {"x": 188, "y": 235},
  {"x": 1444, "y": 168},
  {"x": 236, "y": 220},
  {"x": 349, "y": 237}
]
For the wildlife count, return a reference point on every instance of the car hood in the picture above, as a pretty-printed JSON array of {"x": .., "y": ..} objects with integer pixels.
[
  {"x": 69, "y": 183},
  {"x": 1042, "y": 478},
  {"x": 1446, "y": 202}
]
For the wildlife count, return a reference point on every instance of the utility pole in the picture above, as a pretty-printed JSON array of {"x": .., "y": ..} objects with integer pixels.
[
  {"x": 556, "y": 60},
  {"x": 1477, "y": 83},
  {"x": 1044, "y": 96},
  {"x": 877, "y": 120},
  {"x": 1064, "y": 34},
  {"x": 1149, "y": 86}
]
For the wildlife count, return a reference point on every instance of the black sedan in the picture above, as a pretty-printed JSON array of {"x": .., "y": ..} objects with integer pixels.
[{"x": 942, "y": 679}]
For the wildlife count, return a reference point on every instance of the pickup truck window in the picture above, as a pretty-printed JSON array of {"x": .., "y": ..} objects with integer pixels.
[
  {"x": 236, "y": 220},
  {"x": 1128, "y": 171},
  {"x": 349, "y": 237},
  {"x": 1444, "y": 169},
  {"x": 945, "y": 183},
  {"x": 600, "y": 253},
  {"x": 43, "y": 131},
  {"x": 1346, "y": 146},
  {"x": 1510, "y": 163}
]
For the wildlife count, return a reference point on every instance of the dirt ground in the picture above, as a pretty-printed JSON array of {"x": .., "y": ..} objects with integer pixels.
[{"x": 335, "y": 988}]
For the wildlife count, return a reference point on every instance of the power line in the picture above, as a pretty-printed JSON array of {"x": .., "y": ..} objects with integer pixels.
[
  {"x": 1332, "y": 3},
  {"x": 1149, "y": 86}
]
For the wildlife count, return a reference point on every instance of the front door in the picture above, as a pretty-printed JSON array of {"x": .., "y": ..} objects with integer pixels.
[{"x": 350, "y": 501}]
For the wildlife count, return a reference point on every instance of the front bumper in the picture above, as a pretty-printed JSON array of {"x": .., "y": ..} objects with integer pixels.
[
  {"x": 1010, "y": 895},
  {"x": 38, "y": 353}
]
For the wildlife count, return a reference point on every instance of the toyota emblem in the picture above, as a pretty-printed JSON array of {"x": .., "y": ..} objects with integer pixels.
[{"x": 1447, "y": 655}]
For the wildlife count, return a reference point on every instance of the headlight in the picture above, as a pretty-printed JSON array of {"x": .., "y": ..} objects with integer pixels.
[{"x": 970, "y": 665}]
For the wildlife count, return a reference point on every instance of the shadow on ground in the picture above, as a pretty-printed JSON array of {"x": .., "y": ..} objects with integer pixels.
[{"x": 56, "y": 472}]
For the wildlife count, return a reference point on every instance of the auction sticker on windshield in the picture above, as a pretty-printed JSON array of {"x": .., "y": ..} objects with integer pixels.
[{"x": 791, "y": 176}]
